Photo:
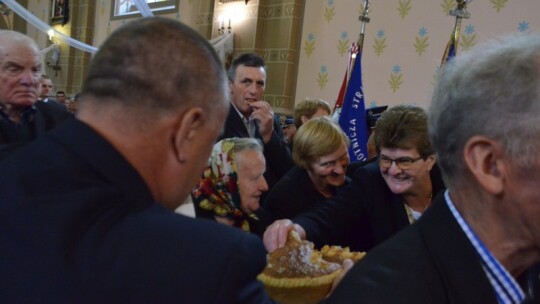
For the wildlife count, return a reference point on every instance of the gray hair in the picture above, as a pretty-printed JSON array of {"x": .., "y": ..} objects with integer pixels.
[
  {"x": 246, "y": 144},
  {"x": 492, "y": 90},
  {"x": 16, "y": 38},
  {"x": 233, "y": 146}
]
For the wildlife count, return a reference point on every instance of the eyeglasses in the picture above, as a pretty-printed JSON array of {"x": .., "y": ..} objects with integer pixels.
[{"x": 403, "y": 163}]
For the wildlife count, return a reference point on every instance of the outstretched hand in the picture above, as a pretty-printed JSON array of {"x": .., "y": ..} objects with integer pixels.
[{"x": 276, "y": 234}]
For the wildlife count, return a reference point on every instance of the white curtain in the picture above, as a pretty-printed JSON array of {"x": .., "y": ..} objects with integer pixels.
[
  {"x": 222, "y": 44},
  {"x": 143, "y": 8},
  {"x": 45, "y": 28}
]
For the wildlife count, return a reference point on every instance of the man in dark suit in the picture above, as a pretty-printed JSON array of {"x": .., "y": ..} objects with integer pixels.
[
  {"x": 22, "y": 118},
  {"x": 42, "y": 117},
  {"x": 484, "y": 232},
  {"x": 250, "y": 116},
  {"x": 86, "y": 210},
  {"x": 61, "y": 98},
  {"x": 46, "y": 86}
]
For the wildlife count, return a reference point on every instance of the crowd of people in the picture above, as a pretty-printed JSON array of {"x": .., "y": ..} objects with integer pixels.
[
  {"x": 45, "y": 95},
  {"x": 446, "y": 206}
]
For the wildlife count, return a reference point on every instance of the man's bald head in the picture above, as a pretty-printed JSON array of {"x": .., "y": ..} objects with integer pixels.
[
  {"x": 154, "y": 65},
  {"x": 158, "y": 92}
]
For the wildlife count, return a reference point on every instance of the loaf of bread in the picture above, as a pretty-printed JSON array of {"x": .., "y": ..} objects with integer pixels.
[{"x": 297, "y": 273}]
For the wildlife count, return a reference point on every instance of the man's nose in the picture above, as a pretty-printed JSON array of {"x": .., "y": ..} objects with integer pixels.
[
  {"x": 263, "y": 185},
  {"x": 253, "y": 89},
  {"x": 28, "y": 78}
]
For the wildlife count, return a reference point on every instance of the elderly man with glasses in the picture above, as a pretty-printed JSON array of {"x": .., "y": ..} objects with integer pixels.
[{"x": 384, "y": 197}]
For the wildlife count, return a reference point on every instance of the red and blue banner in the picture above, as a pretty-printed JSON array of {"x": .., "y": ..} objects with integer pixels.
[{"x": 353, "y": 114}]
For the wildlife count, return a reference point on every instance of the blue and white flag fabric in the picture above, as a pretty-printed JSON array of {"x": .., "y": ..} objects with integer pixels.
[
  {"x": 451, "y": 47},
  {"x": 353, "y": 114}
]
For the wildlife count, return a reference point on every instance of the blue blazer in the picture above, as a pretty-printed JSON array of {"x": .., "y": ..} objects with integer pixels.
[{"x": 79, "y": 225}]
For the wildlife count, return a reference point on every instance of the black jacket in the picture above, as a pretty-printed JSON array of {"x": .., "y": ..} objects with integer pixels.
[
  {"x": 431, "y": 261},
  {"x": 79, "y": 225},
  {"x": 366, "y": 201},
  {"x": 47, "y": 116}
]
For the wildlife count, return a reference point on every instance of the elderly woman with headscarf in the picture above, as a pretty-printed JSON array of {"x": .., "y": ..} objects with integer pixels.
[{"x": 232, "y": 184}]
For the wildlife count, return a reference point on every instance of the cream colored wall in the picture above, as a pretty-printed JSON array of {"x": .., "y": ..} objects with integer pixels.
[
  {"x": 328, "y": 28},
  {"x": 42, "y": 10},
  {"x": 331, "y": 23},
  {"x": 196, "y": 13}
]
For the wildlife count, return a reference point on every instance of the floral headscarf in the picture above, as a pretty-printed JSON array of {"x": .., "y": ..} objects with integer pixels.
[{"x": 217, "y": 191}]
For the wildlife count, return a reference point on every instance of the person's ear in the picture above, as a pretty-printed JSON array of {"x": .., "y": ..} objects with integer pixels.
[
  {"x": 189, "y": 128},
  {"x": 430, "y": 160},
  {"x": 231, "y": 86},
  {"x": 304, "y": 119},
  {"x": 484, "y": 158}
]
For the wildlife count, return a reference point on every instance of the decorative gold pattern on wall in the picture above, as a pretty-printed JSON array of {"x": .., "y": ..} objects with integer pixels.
[
  {"x": 396, "y": 78},
  {"x": 404, "y": 6},
  {"x": 404, "y": 41},
  {"x": 447, "y": 5},
  {"x": 309, "y": 44},
  {"x": 343, "y": 44},
  {"x": 329, "y": 11},
  {"x": 322, "y": 77},
  {"x": 404, "y": 44},
  {"x": 421, "y": 41},
  {"x": 499, "y": 4},
  {"x": 468, "y": 38},
  {"x": 379, "y": 43}
]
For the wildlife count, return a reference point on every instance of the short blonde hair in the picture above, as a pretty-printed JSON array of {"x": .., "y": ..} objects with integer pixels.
[
  {"x": 307, "y": 108},
  {"x": 316, "y": 138}
]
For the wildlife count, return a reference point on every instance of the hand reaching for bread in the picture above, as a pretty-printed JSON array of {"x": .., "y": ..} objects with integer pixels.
[
  {"x": 298, "y": 273},
  {"x": 276, "y": 235}
]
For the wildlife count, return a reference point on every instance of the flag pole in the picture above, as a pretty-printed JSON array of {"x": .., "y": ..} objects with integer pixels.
[
  {"x": 460, "y": 12},
  {"x": 354, "y": 51},
  {"x": 364, "y": 18},
  {"x": 352, "y": 117}
]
